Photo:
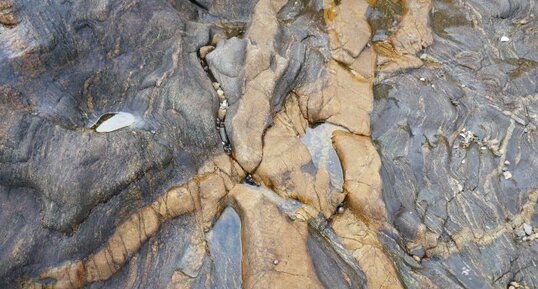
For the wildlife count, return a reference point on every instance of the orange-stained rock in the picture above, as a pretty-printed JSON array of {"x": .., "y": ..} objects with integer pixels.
[
  {"x": 253, "y": 110},
  {"x": 348, "y": 29},
  {"x": 389, "y": 60},
  {"x": 71, "y": 275},
  {"x": 181, "y": 281},
  {"x": 174, "y": 202},
  {"x": 284, "y": 156},
  {"x": 287, "y": 166},
  {"x": 275, "y": 248},
  {"x": 127, "y": 239},
  {"x": 7, "y": 16},
  {"x": 365, "y": 65},
  {"x": 413, "y": 35},
  {"x": 366, "y": 248},
  {"x": 212, "y": 192},
  {"x": 340, "y": 98},
  {"x": 292, "y": 116},
  {"x": 230, "y": 171},
  {"x": 362, "y": 181},
  {"x": 353, "y": 99},
  {"x": 349, "y": 36},
  {"x": 414, "y": 32},
  {"x": 204, "y": 194}
]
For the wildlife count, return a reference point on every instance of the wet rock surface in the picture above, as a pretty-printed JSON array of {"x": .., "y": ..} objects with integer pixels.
[
  {"x": 268, "y": 144},
  {"x": 457, "y": 144}
]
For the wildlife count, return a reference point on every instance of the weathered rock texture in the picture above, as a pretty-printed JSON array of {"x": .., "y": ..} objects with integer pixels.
[
  {"x": 457, "y": 141},
  {"x": 374, "y": 144}
]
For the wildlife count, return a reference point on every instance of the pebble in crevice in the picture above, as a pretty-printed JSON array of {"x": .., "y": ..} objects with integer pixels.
[{"x": 223, "y": 102}]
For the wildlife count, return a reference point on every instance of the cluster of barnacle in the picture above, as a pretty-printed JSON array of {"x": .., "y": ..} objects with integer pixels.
[
  {"x": 526, "y": 232},
  {"x": 516, "y": 285},
  {"x": 468, "y": 137}
]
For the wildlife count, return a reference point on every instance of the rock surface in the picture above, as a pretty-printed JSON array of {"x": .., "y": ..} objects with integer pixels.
[{"x": 367, "y": 144}]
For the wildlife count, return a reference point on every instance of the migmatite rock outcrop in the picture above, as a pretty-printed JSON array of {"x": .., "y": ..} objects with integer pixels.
[{"x": 268, "y": 144}]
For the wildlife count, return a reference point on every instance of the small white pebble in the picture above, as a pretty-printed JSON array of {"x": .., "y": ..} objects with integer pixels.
[
  {"x": 422, "y": 79},
  {"x": 505, "y": 38},
  {"x": 507, "y": 163},
  {"x": 507, "y": 175},
  {"x": 527, "y": 228},
  {"x": 275, "y": 262},
  {"x": 463, "y": 85},
  {"x": 216, "y": 85},
  {"x": 463, "y": 161},
  {"x": 416, "y": 258},
  {"x": 341, "y": 210}
]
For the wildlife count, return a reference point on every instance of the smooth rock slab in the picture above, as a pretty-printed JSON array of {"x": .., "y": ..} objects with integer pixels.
[
  {"x": 225, "y": 250},
  {"x": 319, "y": 144}
]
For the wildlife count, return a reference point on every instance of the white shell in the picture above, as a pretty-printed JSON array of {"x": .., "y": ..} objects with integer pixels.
[
  {"x": 505, "y": 38},
  {"x": 118, "y": 121}
]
